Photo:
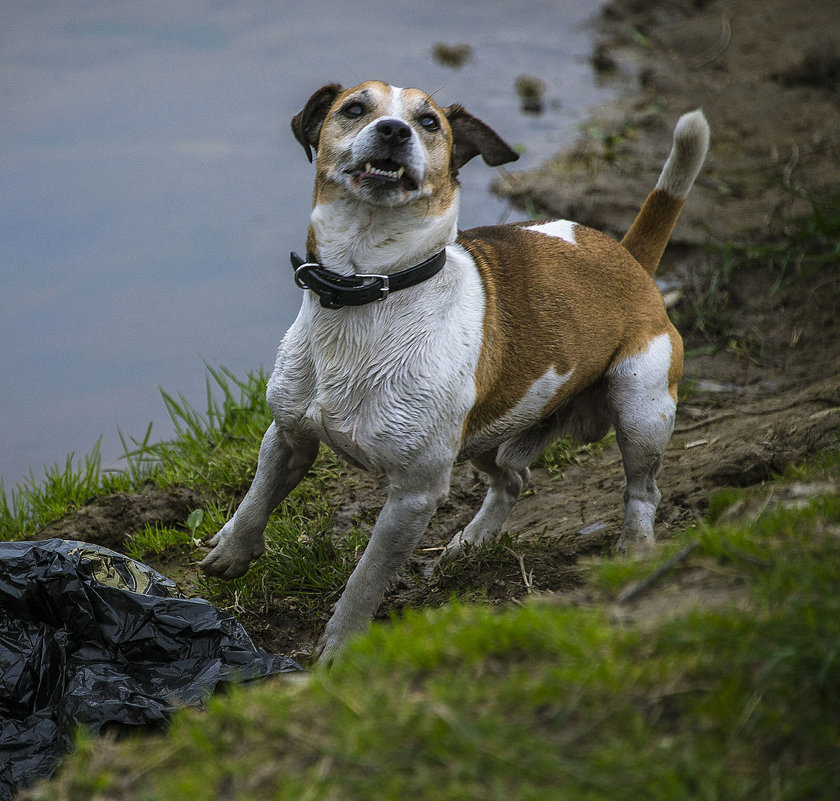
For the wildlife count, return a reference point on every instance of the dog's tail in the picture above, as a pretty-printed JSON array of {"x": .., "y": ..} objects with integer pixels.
[{"x": 652, "y": 227}]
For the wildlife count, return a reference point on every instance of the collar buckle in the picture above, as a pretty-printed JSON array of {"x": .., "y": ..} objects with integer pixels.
[{"x": 384, "y": 290}]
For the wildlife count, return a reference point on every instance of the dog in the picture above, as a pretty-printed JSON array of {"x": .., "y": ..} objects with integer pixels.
[{"x": 418, "y": 346}]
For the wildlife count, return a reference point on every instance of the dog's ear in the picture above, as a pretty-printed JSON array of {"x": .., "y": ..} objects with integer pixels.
[
  {"x": 306, "y": 126},
  {"x": 471, "y": 137}
]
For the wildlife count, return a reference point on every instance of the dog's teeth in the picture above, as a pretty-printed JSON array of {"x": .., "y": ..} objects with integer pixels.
[{"x": 394, "y": 174}]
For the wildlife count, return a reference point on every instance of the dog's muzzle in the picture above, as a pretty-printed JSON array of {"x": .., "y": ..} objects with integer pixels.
[{"x": 384, "y": 157}]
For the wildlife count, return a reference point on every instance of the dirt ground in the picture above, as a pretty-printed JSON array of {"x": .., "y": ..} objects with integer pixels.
[{"x": 768, "y": 78}]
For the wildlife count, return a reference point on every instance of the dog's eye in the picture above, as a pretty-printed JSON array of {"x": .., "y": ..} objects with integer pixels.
[
  {"x": 354, "y": 109},
  {"x": 429, "y": 122}
]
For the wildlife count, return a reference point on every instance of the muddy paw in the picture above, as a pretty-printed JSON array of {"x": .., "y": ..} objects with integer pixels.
[
  {"x": 230, "y": 558},
  {"x": 454, "y": 550},
  {"x": 635, "y": 547}
]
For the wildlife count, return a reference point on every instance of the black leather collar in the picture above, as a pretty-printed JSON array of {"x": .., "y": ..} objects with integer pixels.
[{"x": 336, "y": 290}]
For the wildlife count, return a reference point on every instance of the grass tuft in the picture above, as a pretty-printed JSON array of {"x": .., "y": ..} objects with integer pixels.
[
  {"x": 65, "y": 487},
  {"x": 567, "y": 451},
  {"x": 216, "y": 450},
  {"x": 304, "y": 560},
  {"x": 158, "y": 540}
]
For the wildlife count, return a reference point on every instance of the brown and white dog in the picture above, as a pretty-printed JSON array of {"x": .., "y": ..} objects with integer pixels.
[{"x": 529, "y": 331}]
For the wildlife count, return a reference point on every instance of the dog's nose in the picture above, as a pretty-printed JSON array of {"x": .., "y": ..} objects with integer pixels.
[{"x": 393, "y": 132}]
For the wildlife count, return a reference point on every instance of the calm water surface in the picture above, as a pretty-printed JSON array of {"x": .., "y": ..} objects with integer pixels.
[{"x": 150, "y": 188}]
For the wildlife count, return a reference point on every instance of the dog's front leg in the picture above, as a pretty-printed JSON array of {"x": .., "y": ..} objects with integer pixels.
[
  {"x": 398, "y": 529},
  {"x": 283, "y": 461}
]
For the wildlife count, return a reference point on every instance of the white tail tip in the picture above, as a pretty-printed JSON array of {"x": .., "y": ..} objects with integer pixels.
[{"x": 691, "y": 143}]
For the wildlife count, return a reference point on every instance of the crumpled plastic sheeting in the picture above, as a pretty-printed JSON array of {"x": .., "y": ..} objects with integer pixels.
[{"x": 90, "y": 636}]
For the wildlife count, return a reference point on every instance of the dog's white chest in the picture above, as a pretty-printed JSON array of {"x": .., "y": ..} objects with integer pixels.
[
  {"x": 352, "y": 393},
  {"x": 384, "y": 382}
]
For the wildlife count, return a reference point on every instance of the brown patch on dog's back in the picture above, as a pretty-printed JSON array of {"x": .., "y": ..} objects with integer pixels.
[{"x": 575, "y": 307}]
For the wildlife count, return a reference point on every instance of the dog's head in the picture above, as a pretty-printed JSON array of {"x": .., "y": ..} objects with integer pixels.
[{"x": 389, "y": 147}]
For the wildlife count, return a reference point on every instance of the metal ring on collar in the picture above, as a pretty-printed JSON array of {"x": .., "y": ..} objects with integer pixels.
[{"x": 298, "y": 279}]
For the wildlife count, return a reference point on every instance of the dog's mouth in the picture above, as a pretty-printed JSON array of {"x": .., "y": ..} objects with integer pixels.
[{"x": 383, "y": 173}]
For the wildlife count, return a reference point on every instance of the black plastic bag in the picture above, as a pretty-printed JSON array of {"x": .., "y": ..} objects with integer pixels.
[{"x": 90, "y": 636}]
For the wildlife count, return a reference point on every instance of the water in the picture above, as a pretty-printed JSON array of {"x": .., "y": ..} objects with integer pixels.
[{"x": 150, "y": 187}]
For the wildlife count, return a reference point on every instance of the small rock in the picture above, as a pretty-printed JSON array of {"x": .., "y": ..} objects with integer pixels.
[
  {"x": 454, "y": 56},
  {"x": 531, "y": 93}
]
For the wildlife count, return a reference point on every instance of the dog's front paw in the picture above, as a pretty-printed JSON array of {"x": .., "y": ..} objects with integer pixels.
[
  {"x": 328, "y": 647},
  {"x": 231, "y": 555},
  {"x": 340, "y": 628}
]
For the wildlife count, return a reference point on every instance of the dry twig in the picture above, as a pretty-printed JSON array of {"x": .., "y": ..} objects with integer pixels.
[
  {"x": 527, "y": 577},
  {"x": 639, "y": 587}
]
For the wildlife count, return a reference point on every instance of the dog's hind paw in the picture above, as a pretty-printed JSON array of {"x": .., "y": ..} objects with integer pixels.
[
  {"x": 454, "y": 550},
  {"x": 635, "y": 547}
]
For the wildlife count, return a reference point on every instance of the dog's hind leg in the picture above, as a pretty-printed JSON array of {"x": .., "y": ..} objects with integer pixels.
[
  {"x": 283, "y": 461},
  {"x": 506, "y": 484},
  {"x": 507, "y": 467},
  {"x": 412, "y": 500},
  {"x": 641, "y": 402}
]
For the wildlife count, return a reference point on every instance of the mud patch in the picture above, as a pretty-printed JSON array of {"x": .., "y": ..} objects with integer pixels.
[
  {"x": 283, "y": 631},
  {"x": 108, "y": 520},
  {"x": 820, "y": 68},
  {"x": 515, "y": 573}
]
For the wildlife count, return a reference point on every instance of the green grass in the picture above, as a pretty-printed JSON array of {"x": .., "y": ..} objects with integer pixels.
[
  {"x": 546, "y": 701},
  {"x": 158, "y": 540},
  {"x": 34, "y": 504},
  {"x": 566, "y": 451},
  {"x": 215, "y": 450},
  {"x": 304, "y": 560}
]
